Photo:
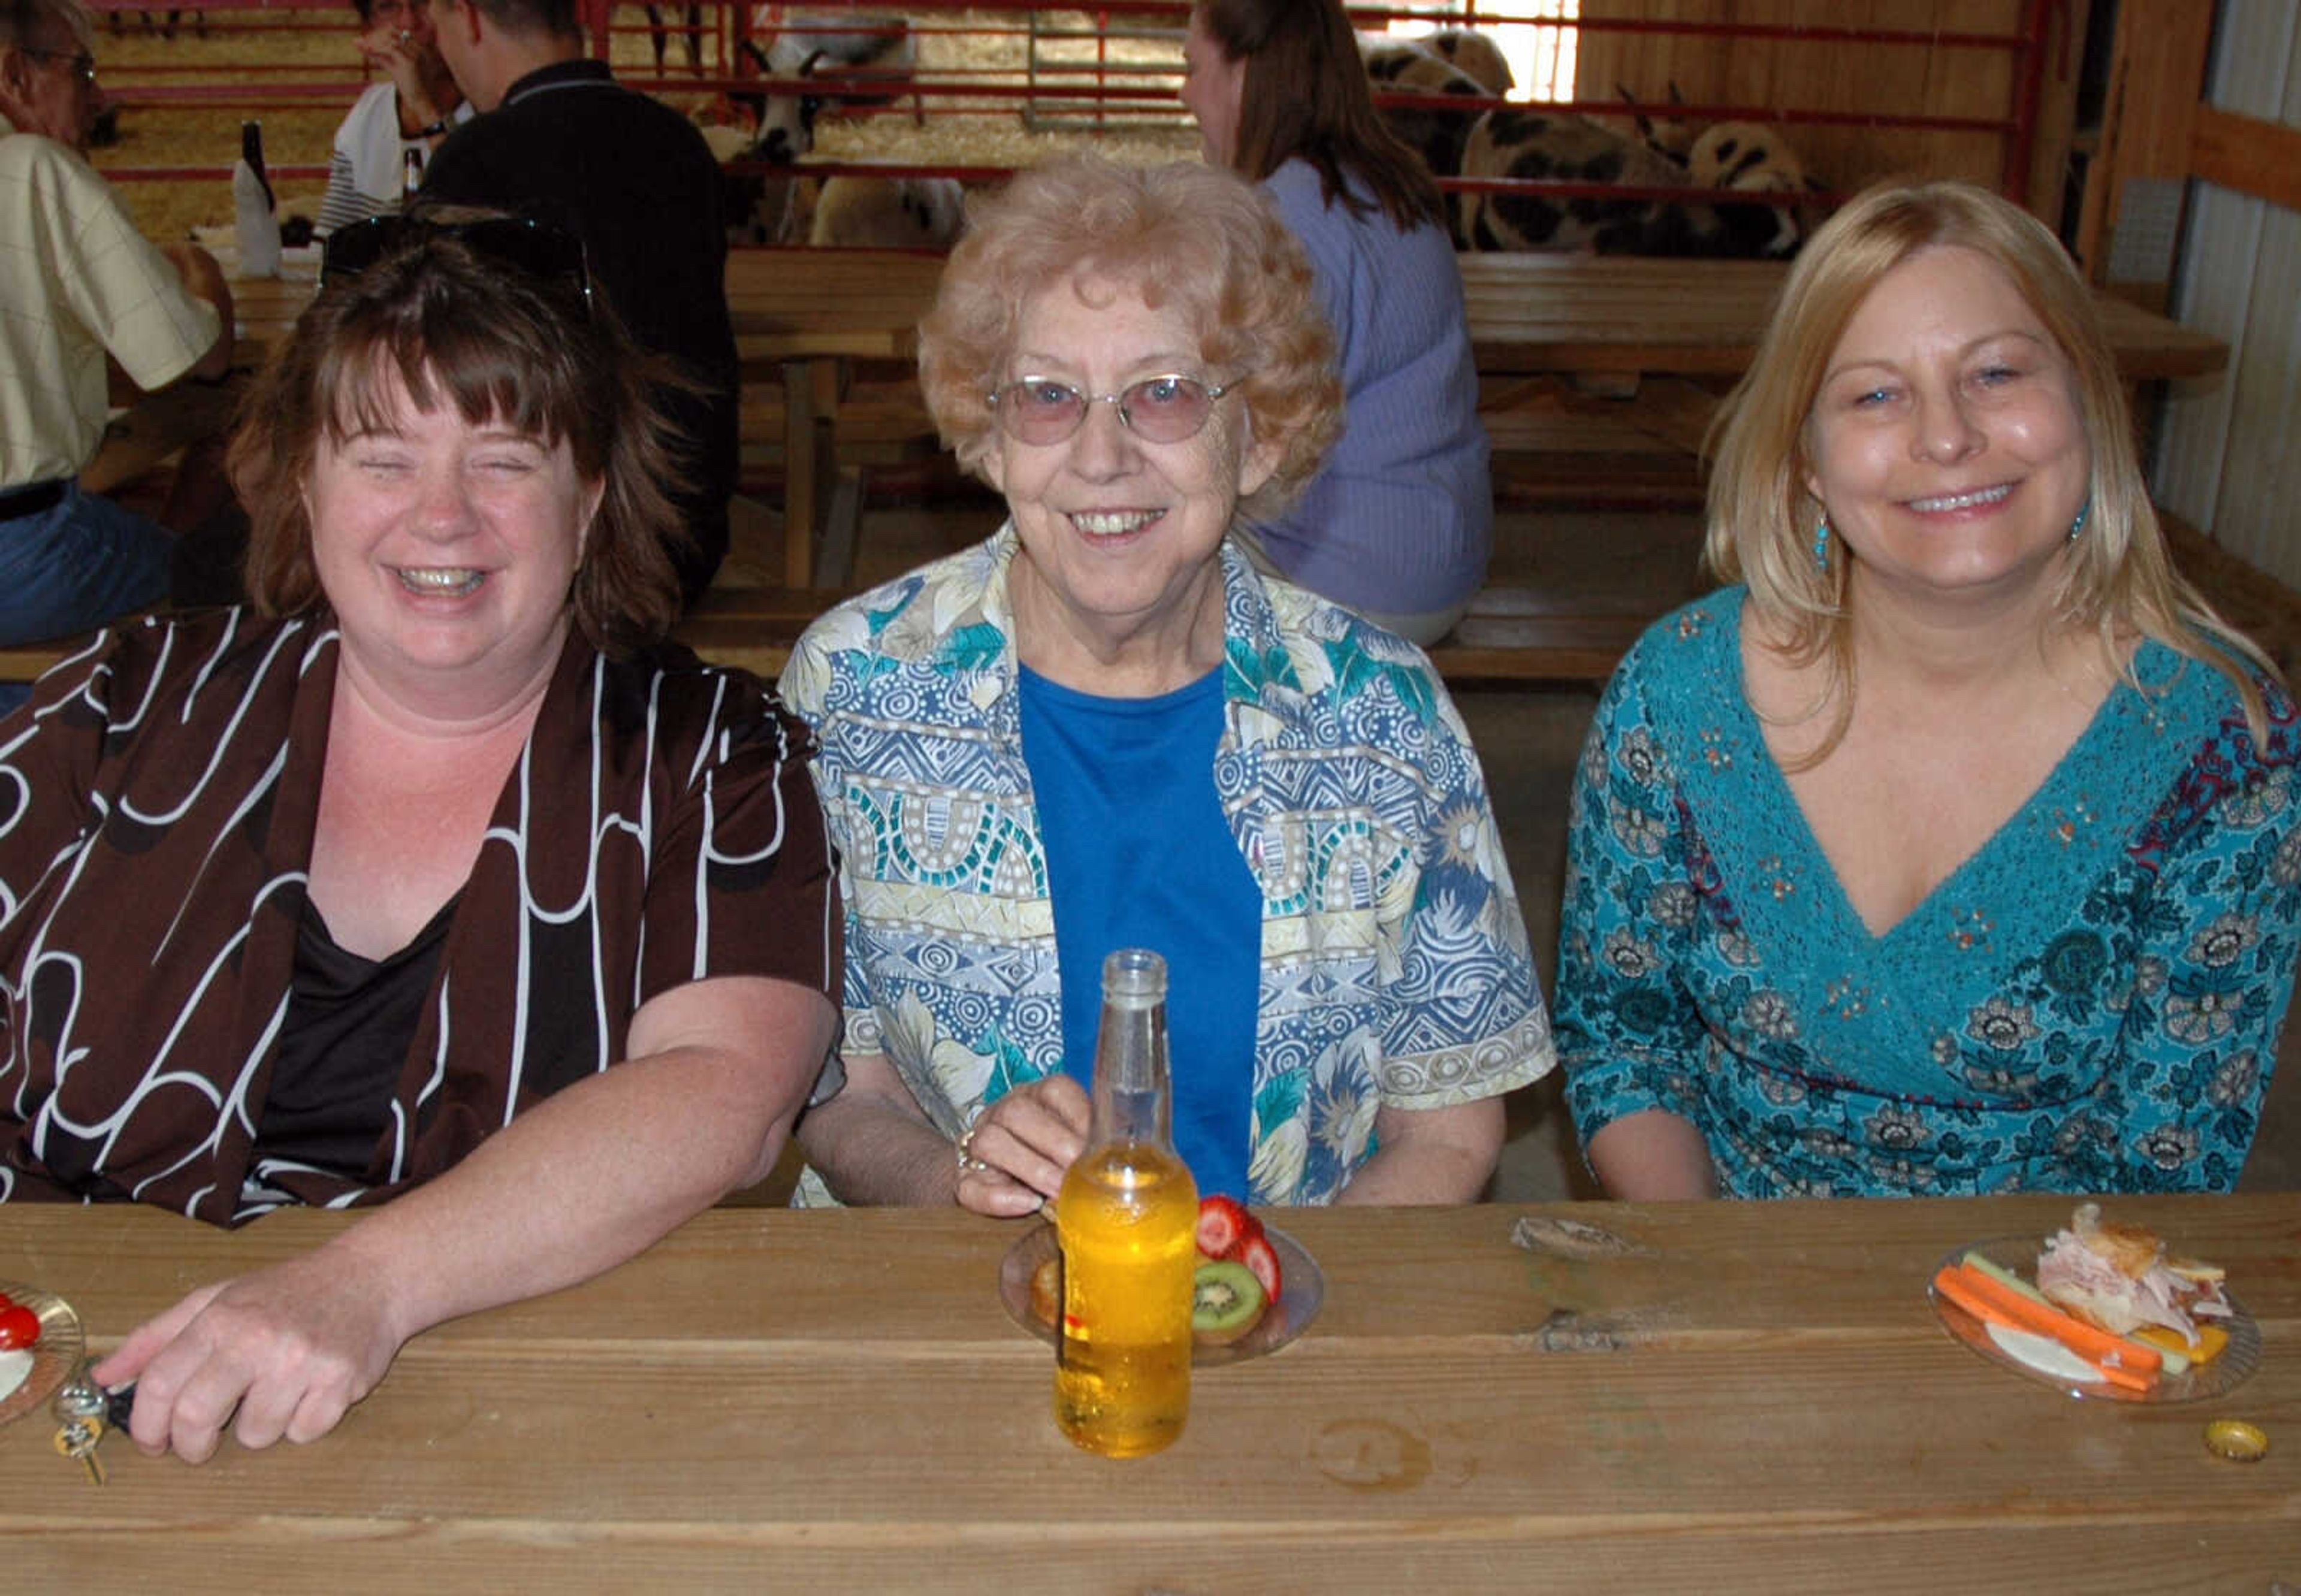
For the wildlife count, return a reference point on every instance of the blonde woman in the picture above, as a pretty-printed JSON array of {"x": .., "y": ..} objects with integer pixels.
[{"x": 1951, "y": 850}]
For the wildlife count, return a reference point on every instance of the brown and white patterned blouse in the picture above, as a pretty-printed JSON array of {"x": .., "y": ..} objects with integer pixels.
[{"x": 157, "y": 802}]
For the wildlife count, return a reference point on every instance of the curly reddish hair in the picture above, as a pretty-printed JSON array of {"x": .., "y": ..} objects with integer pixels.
[{"x": 1205, "y": 241}]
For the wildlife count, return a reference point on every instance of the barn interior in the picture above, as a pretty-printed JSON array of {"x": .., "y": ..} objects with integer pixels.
[{"x": 2157, "y": 136}]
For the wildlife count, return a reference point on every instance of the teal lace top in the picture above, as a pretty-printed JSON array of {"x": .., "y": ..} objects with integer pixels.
[{"x": 2090, "y": 1002}]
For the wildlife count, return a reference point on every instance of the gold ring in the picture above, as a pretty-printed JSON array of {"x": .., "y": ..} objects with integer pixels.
[{"x": 968, "y": 1164}]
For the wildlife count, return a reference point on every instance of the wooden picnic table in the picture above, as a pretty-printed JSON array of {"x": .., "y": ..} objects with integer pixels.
[{"x": 1711, "y": 1396}]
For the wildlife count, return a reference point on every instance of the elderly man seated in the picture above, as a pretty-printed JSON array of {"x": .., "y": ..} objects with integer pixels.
[{"x": 76, "y": 282}]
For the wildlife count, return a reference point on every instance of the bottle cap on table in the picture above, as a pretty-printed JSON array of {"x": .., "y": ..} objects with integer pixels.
[{"x": 2237, "y": 1441}]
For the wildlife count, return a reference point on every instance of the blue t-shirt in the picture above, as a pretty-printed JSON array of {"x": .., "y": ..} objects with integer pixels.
[{"x": 1139, "y": 856}]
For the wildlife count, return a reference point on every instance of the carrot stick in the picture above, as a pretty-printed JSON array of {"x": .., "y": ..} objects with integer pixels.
[
  {"x": 2175, "y": 1363},
  {"x": 1985, "y": 1298},
  {"x": 1951, "y": 1284},
  {"x": 2097, "y": 1345}
]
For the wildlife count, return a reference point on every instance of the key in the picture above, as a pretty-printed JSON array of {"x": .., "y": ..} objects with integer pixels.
[{"x": 78, "y": 1441}]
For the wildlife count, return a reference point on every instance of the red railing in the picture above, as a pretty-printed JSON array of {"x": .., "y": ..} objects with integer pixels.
[{"x": 730, "y": 22}]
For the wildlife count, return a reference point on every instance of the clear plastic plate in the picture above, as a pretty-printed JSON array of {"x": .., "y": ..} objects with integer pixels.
[
  {"x": 1302, "y": 1292},
  {"x": 2201, "y": 1382},
  {"x": 53, "y": 1355}
]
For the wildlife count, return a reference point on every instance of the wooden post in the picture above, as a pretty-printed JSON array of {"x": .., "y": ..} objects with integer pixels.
[
  {"x": 2063, "y": 45},
  {"x": 2131, "y": 220}
]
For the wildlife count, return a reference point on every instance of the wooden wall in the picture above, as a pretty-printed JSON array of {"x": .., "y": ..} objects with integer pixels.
[
  {"x": 1923, "y": 79},
  {"x": 2226, "y": 459}
]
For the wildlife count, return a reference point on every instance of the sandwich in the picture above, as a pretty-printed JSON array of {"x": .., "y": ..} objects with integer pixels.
[{"x": 2117, "y": 1278}]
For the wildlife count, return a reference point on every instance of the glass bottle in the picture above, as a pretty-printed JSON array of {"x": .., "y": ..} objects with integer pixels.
[
  {"x": 1126, "y": 1219},
  {"x": 251, "y": 150}
]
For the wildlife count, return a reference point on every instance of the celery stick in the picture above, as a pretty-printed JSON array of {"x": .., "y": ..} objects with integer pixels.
[
  {"x": 2006, "y": 1277},
  {"x": 2175, "y": 1363}
]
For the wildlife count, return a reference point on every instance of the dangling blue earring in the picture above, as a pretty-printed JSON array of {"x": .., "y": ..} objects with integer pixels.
[
  {"x": 1821, "y": 544},
  {"x": 2078, "y": 525}
]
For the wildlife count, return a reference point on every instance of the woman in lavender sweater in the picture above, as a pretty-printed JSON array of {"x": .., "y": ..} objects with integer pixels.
[{"x": 1399, "y": 524}]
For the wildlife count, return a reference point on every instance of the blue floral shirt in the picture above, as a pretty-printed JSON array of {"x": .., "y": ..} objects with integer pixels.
[
  {"x": 1395, "y": 967},
  {"x": 2091, "y": 1002}
]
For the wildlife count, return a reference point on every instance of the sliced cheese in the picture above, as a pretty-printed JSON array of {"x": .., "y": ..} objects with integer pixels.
[{"x": 2044, "y": 1354}]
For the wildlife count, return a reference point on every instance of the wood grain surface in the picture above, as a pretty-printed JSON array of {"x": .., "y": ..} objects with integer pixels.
[{"x": 1596, "y": 1398}]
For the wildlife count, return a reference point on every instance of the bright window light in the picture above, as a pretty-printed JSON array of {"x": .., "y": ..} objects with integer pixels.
[{"x": 1536, "y": 37}]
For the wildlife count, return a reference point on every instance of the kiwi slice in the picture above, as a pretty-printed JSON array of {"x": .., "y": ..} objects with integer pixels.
[
  {"x": 1227, "y": 1301},
  {"x": 1047, "y": 1289}
]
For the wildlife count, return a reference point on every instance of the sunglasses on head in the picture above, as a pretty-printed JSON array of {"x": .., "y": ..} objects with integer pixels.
[
  {"x": 541, "y": 250},
  {"x": 81, "y": 64}
]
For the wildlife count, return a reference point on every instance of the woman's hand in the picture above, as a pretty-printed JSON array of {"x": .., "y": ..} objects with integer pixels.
[
  {"x": 399, "y": 55},
  {"x": 289, "y": 1349},
  {"x": 1026, "y": 1140}
]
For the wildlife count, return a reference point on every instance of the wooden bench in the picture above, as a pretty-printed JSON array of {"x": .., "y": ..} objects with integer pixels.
[{"x": 1511, "y": 635}]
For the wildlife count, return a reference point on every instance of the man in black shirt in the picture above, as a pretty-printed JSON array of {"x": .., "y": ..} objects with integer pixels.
[{"x": 559, "y": 139}]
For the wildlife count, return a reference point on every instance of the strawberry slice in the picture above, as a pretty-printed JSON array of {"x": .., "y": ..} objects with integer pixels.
[
  {"x": 1258, "y": 1253},
  {"x": 1224, "y": 1226}
]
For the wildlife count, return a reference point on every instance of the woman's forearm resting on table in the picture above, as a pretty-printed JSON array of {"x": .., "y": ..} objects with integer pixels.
[
  {"x": 1653, "y": 1155},
  {"x": 1430, "y": 1155},
  {"x": 584, "y": 1180}
]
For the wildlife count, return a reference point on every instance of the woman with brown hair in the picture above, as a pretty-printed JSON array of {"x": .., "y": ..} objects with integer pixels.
[
  {"x": 1399, "y": 523},
  {"x": 434, "y": 882},
  {"x": 1953, "y": 851}
]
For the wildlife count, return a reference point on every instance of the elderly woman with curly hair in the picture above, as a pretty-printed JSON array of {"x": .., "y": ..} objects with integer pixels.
[
  {"x": 1954, "y": 850},
  {"x": 436, "y": 886},
  {"x": 1103, "y": 727}
]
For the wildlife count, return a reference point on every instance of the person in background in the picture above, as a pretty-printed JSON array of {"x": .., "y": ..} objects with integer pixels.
[
  {"x": 1104, "y": 728},
  {"x": 559, "y": 138},
  {"x": 78, "y": 283},
  {"x": 435, "y": 885},
  {"x": 416, "y": 106},
  {"x": 1954, "y": 850},
  {"x": 1400, "y": 525}
]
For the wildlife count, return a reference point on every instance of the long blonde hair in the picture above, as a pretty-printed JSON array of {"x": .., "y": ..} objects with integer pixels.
[{"x": 2117, "y": 578}]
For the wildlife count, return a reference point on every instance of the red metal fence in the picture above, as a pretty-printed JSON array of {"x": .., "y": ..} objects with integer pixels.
[{"x": 722, "y": 64}]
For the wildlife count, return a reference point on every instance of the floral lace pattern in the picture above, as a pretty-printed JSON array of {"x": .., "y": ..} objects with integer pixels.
[{"x": 2091, "y": 1002}]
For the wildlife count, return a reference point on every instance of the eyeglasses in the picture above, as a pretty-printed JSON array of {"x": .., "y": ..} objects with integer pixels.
[
  {"x": 1163, "y": 409},
  {"x": 82, "y": 66},
  {"x": 541, "y": 250}
]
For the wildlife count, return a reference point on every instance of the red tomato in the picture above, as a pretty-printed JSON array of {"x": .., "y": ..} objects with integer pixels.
[
  {"x": 20, "y": 1327},
  {"x": 1258, "y": 1253},
  {"x": 1224, "y": 1224}
]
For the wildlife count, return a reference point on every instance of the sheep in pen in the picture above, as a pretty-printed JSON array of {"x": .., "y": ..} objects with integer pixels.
[
  {"x": 778, "y": 129},
  {"x": 1528, "y": 142}
]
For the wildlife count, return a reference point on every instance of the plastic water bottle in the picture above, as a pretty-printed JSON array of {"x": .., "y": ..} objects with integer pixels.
[{"x": 1126, "y": 1219}]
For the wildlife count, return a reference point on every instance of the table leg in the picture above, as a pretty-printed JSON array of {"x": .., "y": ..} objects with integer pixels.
[{"x": 800, "y": 487}]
